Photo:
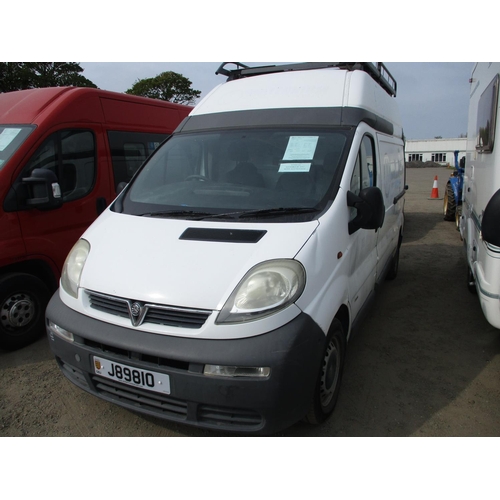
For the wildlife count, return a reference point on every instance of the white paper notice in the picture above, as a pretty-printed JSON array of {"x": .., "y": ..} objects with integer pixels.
[
  {"x": 7, "y": 136},
  {"x": 301, "y": 147},
  {"x": 295, "y": 167}
]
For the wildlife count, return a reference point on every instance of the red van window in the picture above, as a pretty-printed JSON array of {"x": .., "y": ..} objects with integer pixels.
[
  {"x": 129, "y": 150},
  {"x": 11, "y": 138},
  {"x": 70, "y": 154}
]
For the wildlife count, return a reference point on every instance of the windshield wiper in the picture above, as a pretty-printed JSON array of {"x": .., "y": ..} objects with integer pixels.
[
  {"x": 175, "y": 213},
  {"x": 224, "y": 215},
  {"x": 266, "y": 212},
  {"x": 269, "y": 212}
]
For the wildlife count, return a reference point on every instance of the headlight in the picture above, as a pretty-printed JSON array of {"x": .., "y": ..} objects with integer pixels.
[
  {"x": 265, "y": 289},
  {"x": 60, "y": 332},
  {"x": 73, "y": 267}
]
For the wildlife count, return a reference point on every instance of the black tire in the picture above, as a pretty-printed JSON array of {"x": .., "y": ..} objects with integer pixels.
[
  {"x": 394, "y": 268},
  {"x": 327, "y": 387},
  {"x": 458, "y": 214},
  {"x": 23, "y": 299},
  {"x": 471, "y": 281},
  {"x": 450, "y": 205}
]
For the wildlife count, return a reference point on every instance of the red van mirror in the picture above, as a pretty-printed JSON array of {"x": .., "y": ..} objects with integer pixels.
[{"x": 44, "y": 190}]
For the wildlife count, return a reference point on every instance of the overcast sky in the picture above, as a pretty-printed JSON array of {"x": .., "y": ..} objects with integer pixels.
[{"x": 433, "y": 97}]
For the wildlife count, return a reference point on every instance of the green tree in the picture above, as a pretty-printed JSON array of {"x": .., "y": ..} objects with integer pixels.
[
  {"x": 167, "y": 86},
  {"x": 29, "y": 75},
  {"x": 14, "y": 76}
]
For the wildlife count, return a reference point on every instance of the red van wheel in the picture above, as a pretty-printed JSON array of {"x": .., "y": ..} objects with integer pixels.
[{"x": 23, "y": 299}]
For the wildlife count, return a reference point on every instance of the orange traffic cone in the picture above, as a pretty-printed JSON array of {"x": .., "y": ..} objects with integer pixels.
[{"x": 434, "y": 192}]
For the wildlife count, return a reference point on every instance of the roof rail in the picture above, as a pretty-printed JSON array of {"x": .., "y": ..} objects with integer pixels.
[{"x": 377, "y": 71}]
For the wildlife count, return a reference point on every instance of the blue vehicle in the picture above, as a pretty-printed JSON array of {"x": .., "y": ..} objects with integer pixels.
[{"x": 452, "y": 208}]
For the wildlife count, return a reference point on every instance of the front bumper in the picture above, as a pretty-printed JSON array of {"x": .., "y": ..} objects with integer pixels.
[{"x": 242, "y": 404}]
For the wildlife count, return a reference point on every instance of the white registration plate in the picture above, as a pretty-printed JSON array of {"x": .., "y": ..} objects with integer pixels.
[{"x": 145, "y": 379}]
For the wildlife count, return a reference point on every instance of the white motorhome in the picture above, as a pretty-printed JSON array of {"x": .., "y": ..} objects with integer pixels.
[
  {"x": 480, "y": 221},
  {"x": 221, "y": 287}
]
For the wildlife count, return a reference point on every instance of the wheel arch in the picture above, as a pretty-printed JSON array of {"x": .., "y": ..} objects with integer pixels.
[
  {"x": 36, "y": 267},
  {"x": 344, "y": 316}
]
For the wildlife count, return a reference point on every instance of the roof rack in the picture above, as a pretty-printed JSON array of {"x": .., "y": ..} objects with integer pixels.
[{"x": 377, "y": 71}]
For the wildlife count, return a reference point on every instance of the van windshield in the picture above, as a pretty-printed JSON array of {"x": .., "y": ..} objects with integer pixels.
[
  {"x": 11, "y": 138},
  {"x": 240, "y": 174}
]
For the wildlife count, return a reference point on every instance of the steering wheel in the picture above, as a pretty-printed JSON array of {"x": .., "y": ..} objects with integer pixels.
[{"x": 196, "y": 177}]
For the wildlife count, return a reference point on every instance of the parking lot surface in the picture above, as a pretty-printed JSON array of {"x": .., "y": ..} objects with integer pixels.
[{"x": 424, "y": 363}]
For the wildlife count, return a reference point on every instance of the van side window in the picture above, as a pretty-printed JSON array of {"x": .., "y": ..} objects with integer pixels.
[
  {"x": 70, "y": 154},
  {"x": 363, "y": 175},
  {"x": 129, "y": 150},
  {"x": 364, "y": 170},
  {"x": 356, "y": 177}
]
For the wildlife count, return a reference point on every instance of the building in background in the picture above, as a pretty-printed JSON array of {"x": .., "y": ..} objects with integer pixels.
[{"x": 436, "y": 150}]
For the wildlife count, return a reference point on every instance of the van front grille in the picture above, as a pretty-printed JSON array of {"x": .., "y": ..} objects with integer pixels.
[{"x": 181, "y": 317}]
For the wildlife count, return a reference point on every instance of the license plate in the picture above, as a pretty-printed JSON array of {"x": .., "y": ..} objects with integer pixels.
[{"x": 145, "y": 379}]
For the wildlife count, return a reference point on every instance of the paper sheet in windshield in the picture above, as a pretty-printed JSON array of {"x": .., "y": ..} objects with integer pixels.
[
  {"x": 300, "y": 148},
  {"x": 295, "y": 167}
]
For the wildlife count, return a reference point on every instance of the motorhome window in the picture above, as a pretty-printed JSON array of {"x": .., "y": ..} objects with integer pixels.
[
  {"x": 486, "y": 117},
  {"x": 129, "y": 150},
  {"x": 11, "y": 138},
  {"x": 70, "y": 154},
  {"x": 240, "y": 170}
]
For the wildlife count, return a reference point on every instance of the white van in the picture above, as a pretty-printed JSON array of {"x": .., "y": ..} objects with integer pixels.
[
  {"x": 479, "y": 224},
  {"x": 222, "y": 285}
]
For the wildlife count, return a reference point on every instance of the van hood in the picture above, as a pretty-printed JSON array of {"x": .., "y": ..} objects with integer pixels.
[{"x": 157, "y": 260}]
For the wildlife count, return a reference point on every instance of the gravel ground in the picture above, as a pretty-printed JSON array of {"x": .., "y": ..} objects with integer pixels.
[{"x": 424, "y": 363}]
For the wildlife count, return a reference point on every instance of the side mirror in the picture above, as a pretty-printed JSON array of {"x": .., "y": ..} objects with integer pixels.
[
  {"x": 370, "y": 207},
  {"x": 121, "y": 186},
  {"x": 490, "y": 223},
  {"x": 44, "y": 190}
]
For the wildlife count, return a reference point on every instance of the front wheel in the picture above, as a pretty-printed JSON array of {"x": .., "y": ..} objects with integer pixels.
[
  {"x": 23, "y": 299},
  {"x": 330, "y": 375}
]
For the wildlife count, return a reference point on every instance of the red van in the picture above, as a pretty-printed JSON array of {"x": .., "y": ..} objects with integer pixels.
[{"x": 64, "y": 154}]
